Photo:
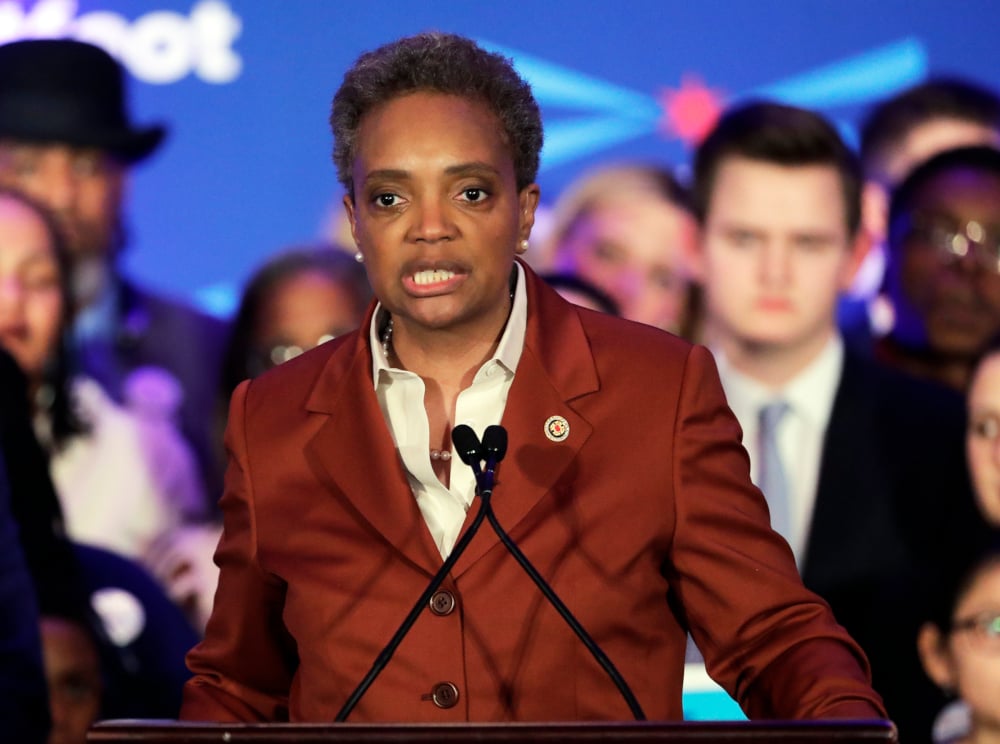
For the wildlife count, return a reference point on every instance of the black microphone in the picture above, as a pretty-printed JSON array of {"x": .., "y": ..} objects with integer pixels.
[
  {"x": 471, "y": 452},
  {"x": 467, "y": 445},
  {"x": 493, "y": 449},
  {"x": 494, "y": 445}
]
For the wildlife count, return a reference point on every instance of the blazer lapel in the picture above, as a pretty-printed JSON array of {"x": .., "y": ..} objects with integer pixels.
[
  {"x": 849, "y": 518},
  {"x": 354, "y": 451},
  {"x": 555, "y": 367}
]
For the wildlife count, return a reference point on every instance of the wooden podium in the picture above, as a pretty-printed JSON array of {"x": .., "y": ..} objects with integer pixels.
[{"x": 728, "y": 732}]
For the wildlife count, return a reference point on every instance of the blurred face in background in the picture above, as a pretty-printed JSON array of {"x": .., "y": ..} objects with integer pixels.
[
  {"x": 84, "y": 188},
  {"x": 982, "y": 442},
  {"x": 944, "y": 273},
  {"x": 775, "y": 253},
  {"x": 632, "y": 249},
  {"x": 303, "y": 311},
  {"x": 31, "y": 302},
  {"x": 73, "y": 674},
  {"x": 966, "y": 660}
]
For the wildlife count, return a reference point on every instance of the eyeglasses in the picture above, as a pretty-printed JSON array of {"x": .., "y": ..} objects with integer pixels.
[
  {"x": 954, "y": 239},
  {"x": 983, "y": 629},
  {"x": 263, "y": 359},
  {"x": 281, "y": 353}
]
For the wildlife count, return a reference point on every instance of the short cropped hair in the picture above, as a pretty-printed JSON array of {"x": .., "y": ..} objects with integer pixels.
[
  {"x": 778, "y": 134},
  {"x": 942, "y": 98},
  {"x": 442, "y": 63},
  {"x": 979, "y": 158}
]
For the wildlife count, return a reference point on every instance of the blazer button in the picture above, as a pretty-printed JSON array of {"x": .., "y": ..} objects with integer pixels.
[
  {"x": 442, "y": 603},
  {"x": 444, "y": 695}
]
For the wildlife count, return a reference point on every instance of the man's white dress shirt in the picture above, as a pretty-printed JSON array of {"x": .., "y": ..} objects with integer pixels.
[{"x": 802, "y": 430}]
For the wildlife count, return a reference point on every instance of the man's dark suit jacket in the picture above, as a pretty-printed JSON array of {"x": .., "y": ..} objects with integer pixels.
[
  {"x": 893, "y": 506},
  {"x": 156, "y": 331}
]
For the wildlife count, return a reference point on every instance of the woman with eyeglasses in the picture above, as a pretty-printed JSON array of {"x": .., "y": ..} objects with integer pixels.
[
  {"x": 295, "y": 301},
  {"x": 942, "y": 279},
  {"x": 960, "y": 649}
]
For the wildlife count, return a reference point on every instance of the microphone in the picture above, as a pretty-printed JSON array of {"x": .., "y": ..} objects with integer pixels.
[
  {"x": 494, "y": 445},
  {"x": 492, "y": 450},
  {"x": 467, "y": 445},
  {"x": 471, "y": 452}
]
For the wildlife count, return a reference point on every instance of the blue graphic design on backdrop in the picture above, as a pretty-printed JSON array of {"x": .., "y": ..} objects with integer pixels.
[{"x": 611, "y": 115}]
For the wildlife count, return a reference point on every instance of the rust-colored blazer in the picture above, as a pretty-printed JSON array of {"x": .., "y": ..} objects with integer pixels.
[{"x": 643, "y": 520}]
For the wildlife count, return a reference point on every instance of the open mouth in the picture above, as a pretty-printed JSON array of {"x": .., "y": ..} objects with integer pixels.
[
  {"x": 433, "y": 279},
  {"x": 432, "y": 276}
]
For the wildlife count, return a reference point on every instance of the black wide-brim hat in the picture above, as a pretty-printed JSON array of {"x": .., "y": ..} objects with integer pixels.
[{"x": 65, "y": 91}]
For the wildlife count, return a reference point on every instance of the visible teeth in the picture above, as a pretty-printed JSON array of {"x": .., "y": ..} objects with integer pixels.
[{"x": 432, "y": 276}]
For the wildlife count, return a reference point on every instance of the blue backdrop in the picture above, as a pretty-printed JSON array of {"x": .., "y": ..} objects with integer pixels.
[{"x": 245, "y": 86}]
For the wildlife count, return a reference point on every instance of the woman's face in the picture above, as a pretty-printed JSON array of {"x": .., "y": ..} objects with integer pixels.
[
  {"x": 301, "y": 312},
  {"x": 982, "y": 441},
  {"x": 631, "y": 249},
  {"x": 972, "y": 649},
  {"x": 31, "y": 303},
  {"x": 948, "y": 300},
  {"x": 437, "y": 213}
]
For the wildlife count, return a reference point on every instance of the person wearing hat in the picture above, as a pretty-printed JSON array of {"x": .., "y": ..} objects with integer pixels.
[{"x": 66, "y": 139}]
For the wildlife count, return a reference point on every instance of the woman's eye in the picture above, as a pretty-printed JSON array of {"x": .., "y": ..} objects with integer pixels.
[{"x": 474, "y": 195}]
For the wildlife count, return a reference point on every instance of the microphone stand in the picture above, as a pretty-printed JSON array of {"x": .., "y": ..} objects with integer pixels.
[
  {"x": 390, "y": 648},
  {"x": 495, "y": 444},
  {"x": 472, "y": 452}
]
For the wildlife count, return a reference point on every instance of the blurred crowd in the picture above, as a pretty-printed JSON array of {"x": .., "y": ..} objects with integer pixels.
[{"x": 851, "y": 300}]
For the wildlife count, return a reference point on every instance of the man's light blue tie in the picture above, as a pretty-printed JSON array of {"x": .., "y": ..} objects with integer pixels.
[{"x": 772, "y": 479}]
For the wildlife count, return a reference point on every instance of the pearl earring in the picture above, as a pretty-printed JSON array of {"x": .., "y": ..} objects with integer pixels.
[
  {"x": 359, "y": 257},
  {"x": 523, "y": 246}
]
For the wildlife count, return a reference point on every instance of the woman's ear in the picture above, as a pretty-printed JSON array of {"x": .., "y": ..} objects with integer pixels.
[
  {"x": 349, "y": 210},
  {"x": 527, "y": 205},
  {"x": 935, "y": 656}
]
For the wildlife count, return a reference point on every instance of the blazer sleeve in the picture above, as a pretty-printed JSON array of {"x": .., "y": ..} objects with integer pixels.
[
  {"x": 244, "y": 666},
  {"x": 772, "y": 644}
]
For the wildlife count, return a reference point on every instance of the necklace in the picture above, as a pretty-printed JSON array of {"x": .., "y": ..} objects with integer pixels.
[
  {"x": 436, "y": 454},
  {"x": 387, "y": 337}
]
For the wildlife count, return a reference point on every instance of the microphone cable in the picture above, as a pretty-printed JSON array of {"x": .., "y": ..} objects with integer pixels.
[
  {"x": 495, "y": 447},
  {"x": 390, "y": 648}
]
